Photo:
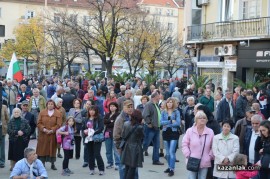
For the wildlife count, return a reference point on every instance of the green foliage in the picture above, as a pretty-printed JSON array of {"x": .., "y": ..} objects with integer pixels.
[
  {"x": 148, "y": 78},
  {"x": 249, "y": 84},
  {"x": 121, "y": 77},
  {"x": 199, "y": 81},
  {"x": 93, "y": 76}
]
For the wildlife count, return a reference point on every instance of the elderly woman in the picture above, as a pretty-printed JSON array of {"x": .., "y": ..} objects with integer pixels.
[
  {"x": 170, "y": 121},
  {"x": 49, "y": 120},
  {"x": 199, "y": 138},
  {"x": 225, "y": 147},
  {"x": 58, "y": 103},
  {"x": 76, "y": 113},
  {"x": 188, "y": 112},
  {"x": 18, "y": 131},
  {"x": 29, "y": 166}
]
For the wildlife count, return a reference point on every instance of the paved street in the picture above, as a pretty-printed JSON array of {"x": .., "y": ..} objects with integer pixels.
[{"x": 148, "y": 171}]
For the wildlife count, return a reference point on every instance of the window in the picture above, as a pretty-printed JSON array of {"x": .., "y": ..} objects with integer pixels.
[
  {"x": 226, "y": 10},
  {"x": 158, "y": 11},
  {"x": 251, "y": 9},
  {"x": 169, "y": 12},
  {"x": 30, "y": 14},
  {"x": 170, "y": 26}
]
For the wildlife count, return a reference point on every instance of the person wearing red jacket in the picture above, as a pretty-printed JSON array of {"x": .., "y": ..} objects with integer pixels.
[
  {"x": 241, "y": 160},
  {"x": 110, "y": 98}
]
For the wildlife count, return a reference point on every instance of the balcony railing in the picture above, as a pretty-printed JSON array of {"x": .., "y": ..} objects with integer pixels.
[{"x": 258, "y": 27}]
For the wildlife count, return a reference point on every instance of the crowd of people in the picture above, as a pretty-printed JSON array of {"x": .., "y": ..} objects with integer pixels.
[{"x": 76, "y": 116}]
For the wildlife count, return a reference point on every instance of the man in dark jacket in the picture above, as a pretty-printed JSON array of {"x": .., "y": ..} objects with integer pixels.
[
  {"x": 68, "y": 99},
  {"x": 225, "y": 108},
  {"x": 208, "y": 100},
  {"x": 241, "y": 104},
  {"x": 28, "y": 116}
]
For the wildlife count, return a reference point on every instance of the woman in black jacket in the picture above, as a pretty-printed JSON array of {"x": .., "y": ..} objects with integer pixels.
[
  {"x": 262, "y": 147},
  {"x": 109, "y": 120}
]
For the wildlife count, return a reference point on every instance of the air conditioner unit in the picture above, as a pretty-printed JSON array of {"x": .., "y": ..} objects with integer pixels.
[
  {"x": 218, "y": 51},
  {"x": 229, "y": 49},
  {"x": 204, "y": 2}
]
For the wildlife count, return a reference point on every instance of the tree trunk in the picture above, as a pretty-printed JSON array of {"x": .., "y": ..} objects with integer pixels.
[
  {"x": 152, "y": 67},
  {"x": 69, "y": 69},
  {"x": 109, "y": 67}
]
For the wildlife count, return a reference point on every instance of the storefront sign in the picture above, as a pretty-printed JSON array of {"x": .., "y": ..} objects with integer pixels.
[{"x": 230, "y": 65}]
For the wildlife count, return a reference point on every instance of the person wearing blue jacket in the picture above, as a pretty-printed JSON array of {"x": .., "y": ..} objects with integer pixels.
[{"x": 170, "y": 122}]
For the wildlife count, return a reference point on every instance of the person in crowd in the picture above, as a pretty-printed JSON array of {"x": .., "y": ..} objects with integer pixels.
[
  {"x": 59, "y": 103},
  {"x": 127, "y": 96},
  {"x": 18, "y": 130},
  {"x": 256, "y": 107},
  {"x": 225, "y": 109},
  {"x": 236, "y": 94},
  {"x": 152, "y": 116},
  {"x": 170, "y": 121},
  {"x": 67, "y": 131},
  {"x": 124, "y": 116},
  {"x": 144, "y": 100},
  {"x": 219, "y": 91},
  {"x": 218, "y": 98},
  {"x": 42, "y": 92},
  {"x": 262, "y": 98},
  {"x": 100, "y": 103},
  {"x": 212, "y": 85},
  {"x": 117, "y": 89},
  {"x": 70, "y": 84},
  {"x": 3, "y": 131},
  {"x": 177, "y": 94},
  {"x": 250, "y": 99},
  {"x": 50, "y": 89},
  {"x": 49, "y": 120},
  {"x": 29, "y": 117},
  {"x": 225, "y": 146},
  {"x": 241, "y": 160},
  {"x": 68, "y": 99},
  {"x": 79, "y": 92},
  {"x": 132, "y": 154},
  {"x": 241, "y": 104},
  {"x": 93, "y": 87},
  {"x": 85, "y": 84},
  {"x": 109, "y": 120},
  {"x": 200, "y": 93},
  {"x": 29, "y": 167},
  {"x": 103, "y": 88},
  {"x": 23, "y": 94},
  {"x": 188, "y": 112},
  {"x": 94, "y": 148},
  {"x": 262, "y": 147},
  {"x": 197, "y": 137},
  {"x": 152, "y": 88},
  {"x": 137, "y": 98},
  {"x": 110, "y": 98},
  {"x": 36, "y": 104},
  {"x": 76, "y": 113},
  {"x": 171, "y": 85},
  {"x": 255, "y": 91},
  {"x": 208, "y": 100},
  {"x": 11, "y": 92},
  {"x": 58, "y": 93},
  {"x": 91, "y": 97},
  {"x": 243, "y": 129}
]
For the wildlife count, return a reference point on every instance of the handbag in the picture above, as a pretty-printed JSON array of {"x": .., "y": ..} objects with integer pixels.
[
  {"x": 123, "y": 141},
  {"x": 98, "y": 137},
  {"x": 193, "y": 164}
]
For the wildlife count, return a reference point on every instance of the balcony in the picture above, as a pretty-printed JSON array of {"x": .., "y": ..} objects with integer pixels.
[{"x": 231, "y": 30}]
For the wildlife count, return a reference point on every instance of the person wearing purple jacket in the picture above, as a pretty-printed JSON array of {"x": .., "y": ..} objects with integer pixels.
[{"x": 193, "y": 142}]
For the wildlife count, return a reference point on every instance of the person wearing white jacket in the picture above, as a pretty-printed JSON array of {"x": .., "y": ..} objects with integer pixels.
[{"x": 225, "y": 147}]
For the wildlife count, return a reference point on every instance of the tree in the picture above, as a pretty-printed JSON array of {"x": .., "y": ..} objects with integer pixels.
[{"x": 100, "y": 30}]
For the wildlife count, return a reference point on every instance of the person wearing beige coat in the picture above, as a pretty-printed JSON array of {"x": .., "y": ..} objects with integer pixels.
[
  {"x": 3, "y": 132},
  {"x": 225, "y": 147}
]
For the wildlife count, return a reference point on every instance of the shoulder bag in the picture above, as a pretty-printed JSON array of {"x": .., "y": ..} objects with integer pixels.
[
  {"x": 98, "y": 137},
  {"x": 193, "y": 164},
  {"x": 123, "y": 141}
]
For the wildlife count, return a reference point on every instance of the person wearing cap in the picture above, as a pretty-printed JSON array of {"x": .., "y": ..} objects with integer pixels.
[
  {"x": 225, "y": 146},
  {"x": 36, "y": 104},
  {"x": 3, "y": 131},
  {"x": 68, "y": 100},
  {"x": 28, "y": 116},
  {"x": 225, "y": 109},
  {"x": 177, "y": 94},
  {"x": 243, "y": 129}
]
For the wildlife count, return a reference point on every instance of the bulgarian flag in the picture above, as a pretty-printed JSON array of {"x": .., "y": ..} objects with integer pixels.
[{"x": 14, "y": 71}]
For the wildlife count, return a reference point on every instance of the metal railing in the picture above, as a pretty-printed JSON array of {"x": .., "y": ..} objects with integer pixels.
[{"x": 257, "y": 27}]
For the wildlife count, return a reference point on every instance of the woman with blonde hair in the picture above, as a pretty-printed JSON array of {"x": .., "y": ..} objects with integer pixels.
[
  {"x": 170, "y": 121},
  {"x": 197, "y": 144}
]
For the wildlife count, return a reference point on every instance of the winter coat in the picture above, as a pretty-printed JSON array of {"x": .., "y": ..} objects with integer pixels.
[
  {"x": 243, "y": 174},
  {"x": 108, "y": 124},
  {"x": 106, "y": 104},
  {"x": 192, "y": 145},
  {"x": 41, "y": 103},
  {"x": 213, "y": 124},
  {"x": 67, "y": 140},
  {"x": 68, "y": 101},
  {"x": 240, "y": 108},
  {"x": 46, "y": 145},
  {"x": 26, "y": 96},
  {"x": 132, "y": 154},
  {"x": 50, "y": 90},
  {"x": 11, "y": 95},
  {"x": 118, "y": 128},
  {"x": 31, "y": 121},
  {"x": 223, "y": 110},
  {"x": 222, "y": 149},
  {"x": 98, "y": 125},
  {"x": 4, "y": 119},
  {"x": 150, "y": 114},
  {"x": 208, "y": 102},
  {"x": 78, "y": 119},
  {"x": 240, "y": 131},
  {"x": 12, "y": 130}
]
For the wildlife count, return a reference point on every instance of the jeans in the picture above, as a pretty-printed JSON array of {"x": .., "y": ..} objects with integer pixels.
[
  {"x": 77, "y": 141},
  {"x": 94, "y": 149},
  {"x": 122, "y": 170},
  {"x": 67, "y": 156},
  {"x": 153, "y": 135},
  {"x": 11, "y": 107},
  {"x": 145, "y": 136},
  {"x": 2, "y": 148},
  {"x": 201, "y": 174},
  {"x": 110, "y": 150},
  {"x": 85, "y": 153},
  {"x": 170, "y": 153}
]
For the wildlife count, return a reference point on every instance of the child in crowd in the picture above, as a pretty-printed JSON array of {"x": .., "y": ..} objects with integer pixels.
[
  {"x": 241, "y": 159},
  {"x": 67, "y": 143}
]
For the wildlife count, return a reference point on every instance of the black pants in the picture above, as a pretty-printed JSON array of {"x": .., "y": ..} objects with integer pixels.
[
  {"x": 129, "y": 172},
  {"x": 77, "y": 140},
  {"x": 94, "y": 149},
  {"x": 67, "y": 156}
]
